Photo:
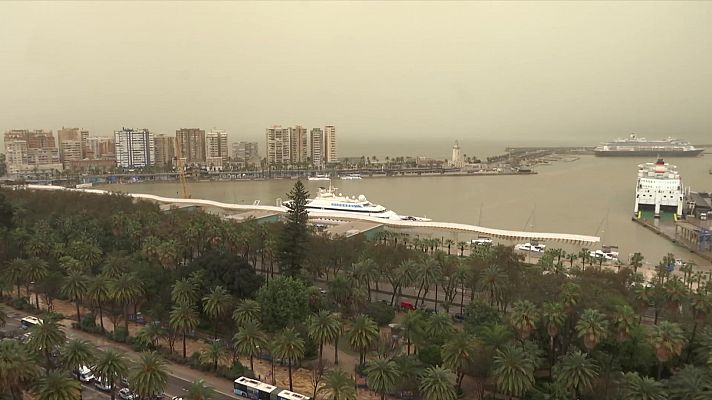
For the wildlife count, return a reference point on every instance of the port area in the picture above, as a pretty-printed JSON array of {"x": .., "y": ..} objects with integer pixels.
[
  {"x": 693, "y": 234},
  {"x": 333, "y": 227}
]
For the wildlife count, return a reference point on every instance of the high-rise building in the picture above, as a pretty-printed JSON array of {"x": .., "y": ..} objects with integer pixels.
[
  {"x": 165, "y": 150},
  {"x": 330, "y": 144},
  {"x": 135, "y": 148},
  {"x": 72, "y": 144},
  {"x": 298, "y": 144},
  {"x": 190, "y": 144},
  {"x": 316, "y": 147},
  {"x": 100, "y": 148},
  {"x": 216, "y": 144},
  {"x": 278, "y": 145},
  {"x": 29, "y": 151},
  {"x": 245, "y": 153},
  {"x": 36, "y": 139}
]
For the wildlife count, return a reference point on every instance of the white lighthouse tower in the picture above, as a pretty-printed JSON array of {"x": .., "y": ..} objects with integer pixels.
[{"x": 457, "y": 160}]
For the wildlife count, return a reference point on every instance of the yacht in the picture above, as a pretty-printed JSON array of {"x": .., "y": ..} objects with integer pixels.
[
  {"x": 328, "y": 200},
  {"x": 319, "y": 177}
]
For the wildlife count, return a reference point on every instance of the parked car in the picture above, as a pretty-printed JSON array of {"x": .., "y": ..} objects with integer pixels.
[
  {"x": 533, "y": 247},
  {"x": 102, "y": 384},
  {"x": 85, "y": 374},
  {"x": 482, "y": 241},
  {"x": 406, "y": 305},
  {"x": 127, "y": 394}
]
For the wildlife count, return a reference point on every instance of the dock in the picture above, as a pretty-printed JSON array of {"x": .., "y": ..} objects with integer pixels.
[{"x": 693, "y": 235}]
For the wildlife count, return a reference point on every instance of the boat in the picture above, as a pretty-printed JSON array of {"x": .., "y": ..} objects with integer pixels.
[
  {"x": 319, "y": 177},
  {"x": 634, "y": 146},
  {"x": 327, "y": 200},
  {"x": 659, "y": 187},
  {"x": 531, "y": 246},
  {"x": 351, "y": 177}
]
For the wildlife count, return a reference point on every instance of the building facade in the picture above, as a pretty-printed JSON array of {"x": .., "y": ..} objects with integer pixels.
[
  {"x": 165, "y": 150},
  {"x": 216, "y": 144},
  {"x": 100, "y": 148},
  {"x": 245, "y": 153},
  {"x": 135, "y": 148},
  {"x": 330, "y": 144},
  {"x": 316, "y": 147},
  {"x": 72, "y": 144},
  {"x": 31, "y": 151},
  {"x": 278, "y": 145},
  {"x": 190, "y": 144},
  {"x": 298, "y": 144}
]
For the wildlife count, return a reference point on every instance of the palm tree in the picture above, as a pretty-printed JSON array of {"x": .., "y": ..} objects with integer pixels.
[
  {"x": 15, "y": 273},
  {"x": 592, "y": 327},
  {"x": 337, "y": 386},
  {"x": 199, "y": 390},
  {"x": 513, "y": 370},
  {"x": 149, "y": 335},
  {"x": 636, "y": 387},
  {"x": 149, "y": 376},
  {"x": 46, "y": 336},
  {"x": 36, "y": 271},
  {"x": 57, "y": 386},
  {"x": 98, "y": 293},
  {"x": 636, "y": 261},
  {"x": 625, "y": 322},
  {"x": 291, "y": 347},
  {"x": 436, "y": 383},
  {"x": 216, "y": 304},
  {"x": 439, "y": 326},
  {"x": 75, "y": 287},
  {"x": 17, "y": 368},
  {"x": 570, "y": 294},
  {"x": 184, "y": 291},
  {"x": 366, "y": 271},
  {"x": 249, "y": 339},
  {"x": 76, "y": 353},
  {"x": 575, "y": 372},
  {"x": 183, "y": 318},
  {"x": 246, "y": 310},
  {"x": 363, "y": 333},
  {"x": 690, "y": 383},
  {"x": 382, "y": 375},
  {"x": 458, "y": 352},
  {"x": 492, "y": 279},
  {"x": 524, "y": 317},
  {"x": 111, "y": 366},
  {"x": 412, "y": 327},
  {"x": 668, "y": 340},
  {"x": 554, "y": 318},
  {"x": 213, "y": 353},
  {"x": 124, "y": 290},
  {"x": 428, "y": 273},
  {"x": 323, "y": 327}
]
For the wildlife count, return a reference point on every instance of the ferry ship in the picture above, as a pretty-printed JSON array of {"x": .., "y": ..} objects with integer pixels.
[
  {"x": 634, "y": 146},
  {"x": 328, "y": 201},
  {"x": 659, "y": 187}
]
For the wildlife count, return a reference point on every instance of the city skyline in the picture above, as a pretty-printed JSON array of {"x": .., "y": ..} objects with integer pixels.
[{"x": 467, "y": 71}]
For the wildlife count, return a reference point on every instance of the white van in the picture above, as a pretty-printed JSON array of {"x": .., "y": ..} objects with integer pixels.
[
  {"x": 85, "y": 374},
  {"x": 102, "y": 384}
]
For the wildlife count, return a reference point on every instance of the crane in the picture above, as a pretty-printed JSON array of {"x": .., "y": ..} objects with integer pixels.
[{"x": 180, "y": 168}]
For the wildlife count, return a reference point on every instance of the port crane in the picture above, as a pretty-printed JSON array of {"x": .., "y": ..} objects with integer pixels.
[{"x": 180, "y": 169}]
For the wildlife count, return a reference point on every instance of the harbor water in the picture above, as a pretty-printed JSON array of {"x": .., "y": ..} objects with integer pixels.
[{"x": 590, "y": 196}]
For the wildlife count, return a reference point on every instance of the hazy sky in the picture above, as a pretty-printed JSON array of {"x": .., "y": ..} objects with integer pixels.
[{"x": 580, "y": 71}]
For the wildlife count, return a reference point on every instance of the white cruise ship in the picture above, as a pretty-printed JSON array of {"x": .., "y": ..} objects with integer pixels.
[
  {"x": 659, "y": 187},
  {"x": 328, "y": 201}
]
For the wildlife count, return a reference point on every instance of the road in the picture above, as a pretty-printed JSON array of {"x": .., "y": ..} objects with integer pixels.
[{"x": 177, "y": 385}]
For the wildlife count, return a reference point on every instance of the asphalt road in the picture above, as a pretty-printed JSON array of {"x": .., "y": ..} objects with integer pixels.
[{"x": 177, "y": 386}]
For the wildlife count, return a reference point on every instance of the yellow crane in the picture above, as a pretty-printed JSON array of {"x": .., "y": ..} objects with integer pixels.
[{"x": 180, "y": 168}]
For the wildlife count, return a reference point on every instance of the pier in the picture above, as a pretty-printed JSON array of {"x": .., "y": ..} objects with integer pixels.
[{"x": 574, "y": 239}]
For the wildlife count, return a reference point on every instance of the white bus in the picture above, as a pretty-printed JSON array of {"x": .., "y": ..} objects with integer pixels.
[
  {"x": 29, "y": 322},
  {"x": 253, "y": 389},
  {"x": 287, "y": 395}
]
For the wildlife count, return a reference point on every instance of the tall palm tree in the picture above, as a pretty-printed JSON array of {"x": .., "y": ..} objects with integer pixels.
[
  {"x": 428, "y": 274},
  {"x": 513, "y": 370},
  {"x": 362, "y": 335},
  {"x": 365, "y": 271},
  {"x": 249, "y": 339},
  {"x": 436, "y": 383},
  {"x": 246, "y": 310},
  {"x": 439, "y": 326},
  {"x": 636, "y": 261},
  {"x": 570, "y": 295},
  {"x": 17, "y": 368},
  {"x": 382, "y": 375},
  {"x": 57, "y": 386},
  {"x": 16, "y": 273},
  {"x": 554, "y": 318},
  {"x": 458, "y": 352},
  {"x": 111, "y": 366},
  {"x": 625, "y": 322},
  {"x": 75, "y": 287},
  {"x": 592, "y": 327},
  {"x": 337, "y": 386},
  {"x": 36, "y": 271},
  {"x": 125, "y": 289},
  {"x": 575, "y": 372},
  {"x": 149, "y": 375},
  {"x": 668, "y": 340},
  {"x": 524, "y": 317},
  {"x": 216, "y": 305},
  {"x": 323, "y": 327},
  {"x": 98, "y": 293},
  {"x": 690, "y": 383},
  {"x": 183, "y": 318},
  {"x": 76, "y": 353},
  {"x": 46, "y": 336},
  {"x": 291, "y": 347},
  {"x": 184, "y": 291},
  {"x": 636, "y": 387},
  {"x": 412, "y": 328},
  {"x": 213, "y": 353},
  {"x": 149, "y": 335},
  {"x": 199, "y": 390},
  {"x": 492, "y": 279}
]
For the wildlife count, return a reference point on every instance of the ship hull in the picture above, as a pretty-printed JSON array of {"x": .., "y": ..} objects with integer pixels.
[{"x": 647, "y": 153}]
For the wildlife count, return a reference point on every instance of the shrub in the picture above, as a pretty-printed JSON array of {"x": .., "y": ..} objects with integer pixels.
[
  {"x": 430, "y": 355},
  {"x": 120, "y": 334},
  {"x": 380, "y": 312}
]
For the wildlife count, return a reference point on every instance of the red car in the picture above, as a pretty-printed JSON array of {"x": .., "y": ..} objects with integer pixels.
[{"x": 406, "y": 305}]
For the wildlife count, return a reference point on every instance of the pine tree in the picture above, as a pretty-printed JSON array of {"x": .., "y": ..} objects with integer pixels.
[{"x": 293, "y": 246}]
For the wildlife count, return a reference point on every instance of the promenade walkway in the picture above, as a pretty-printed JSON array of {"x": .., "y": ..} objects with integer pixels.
[{"x": 574, "y": 239}]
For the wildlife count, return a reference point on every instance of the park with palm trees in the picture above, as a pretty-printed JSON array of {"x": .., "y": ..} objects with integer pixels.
[{"x": 322, "y": 315}]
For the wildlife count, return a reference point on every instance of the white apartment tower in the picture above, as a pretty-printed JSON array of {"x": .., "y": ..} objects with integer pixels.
[
  {"x": 298, "y": 144},
  {"x": 135, "y": 148},
  {"x": 278, "y": 145},
  {"x": 216, "y": 144},
  {"x": 330, "y": 144},
  {"x": 316, "y": 147}
]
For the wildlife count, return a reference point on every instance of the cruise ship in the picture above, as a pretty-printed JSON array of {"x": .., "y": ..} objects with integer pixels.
[
  {"x": 659, "y": 187},
  {"x": 634, "y": 146},
  {"x": 328, "y": 201}
]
